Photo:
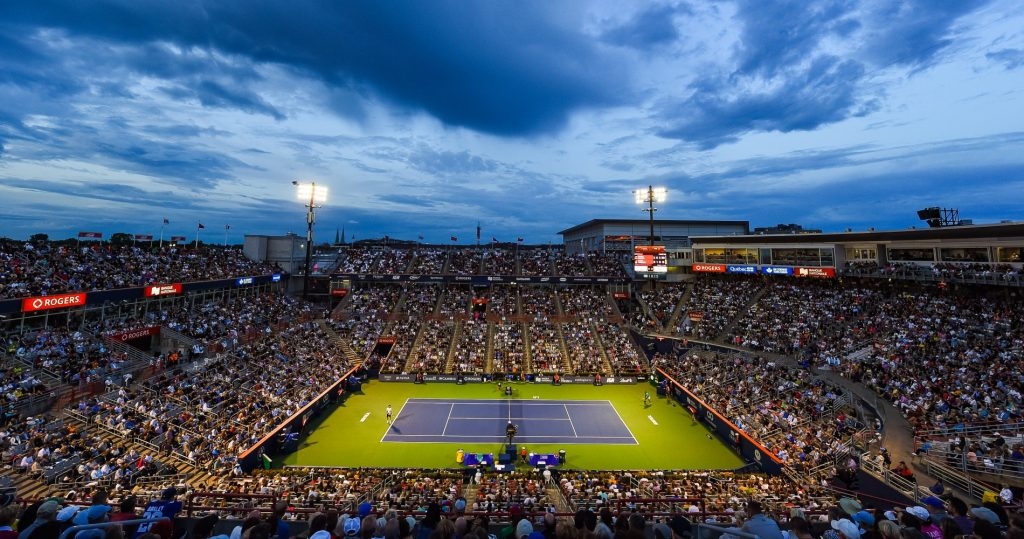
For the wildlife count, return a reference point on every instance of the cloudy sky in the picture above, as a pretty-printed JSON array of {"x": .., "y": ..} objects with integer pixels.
[{"x": 424, "y": 118}]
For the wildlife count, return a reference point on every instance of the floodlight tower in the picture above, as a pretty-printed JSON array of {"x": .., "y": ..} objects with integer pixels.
[
  {"x": 649, "y": 196},
  {"x": 312, "y": 196}
]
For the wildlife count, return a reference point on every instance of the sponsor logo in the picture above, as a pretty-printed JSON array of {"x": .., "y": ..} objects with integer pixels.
[
  {"x": 709, "y": 268},
  {"x": 136, "y": 334},
  {"x": 815, "y": 272},
  {"x": 741, "y": 269},
  {"x": 161, "y": 290},
  {"x": 275, "y": 277},
  {"x": 246, "y": 281},
  {"x": 773, "y": 270},
  {"x": 757, "y": 455},
  {"x": 43, "y": 303}
]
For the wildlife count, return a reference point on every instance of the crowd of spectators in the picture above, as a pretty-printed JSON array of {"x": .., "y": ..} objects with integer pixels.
[
  {"x": 805, "y": 421},
  {"x": 714, "y": 303},
  {"x": 489, "y": 260},
  {"x": 47, "y": 268}
]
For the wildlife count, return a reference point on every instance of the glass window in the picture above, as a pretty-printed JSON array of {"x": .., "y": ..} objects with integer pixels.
[
  {"x": 964, "y": 254},
  {"x": 920, "y": 254},
  {"x": 1009, "y": 254}
]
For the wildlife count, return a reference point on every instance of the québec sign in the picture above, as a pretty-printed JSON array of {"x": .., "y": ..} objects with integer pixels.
[{"x": 43, "y": 303}]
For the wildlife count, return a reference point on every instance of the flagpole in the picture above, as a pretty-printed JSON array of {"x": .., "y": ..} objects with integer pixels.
[
  {"x": 161, "y": 234},
  {"x": 199, "y": 226},
  {"x": 226, "y": 228}
]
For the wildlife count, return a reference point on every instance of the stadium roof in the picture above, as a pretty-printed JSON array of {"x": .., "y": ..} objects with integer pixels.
[
  {"x": 659, "y": 222},
  {"x": 962, "y": 232}
]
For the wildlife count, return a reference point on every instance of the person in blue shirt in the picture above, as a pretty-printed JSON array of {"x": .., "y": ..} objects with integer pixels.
[
  {"x": 759, "y": 524},
  {"x": 166, "y": 506}
]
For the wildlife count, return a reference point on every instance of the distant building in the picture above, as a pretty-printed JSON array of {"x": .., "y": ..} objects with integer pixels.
[
  {"x": 288, "y": 251},
  {"x": 621, "y": 235},
  {"x": 786, "y": 229}
]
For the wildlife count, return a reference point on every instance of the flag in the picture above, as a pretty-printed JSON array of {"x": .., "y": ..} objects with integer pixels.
[
  {"x": 95, "y": 235},
  {"x": 177, "y": 238},
  {"x": 478, "y": 232},
  {"x": 227, "y": 227},
  {"x": 144, "y": 237},
  {"x": 494, "y": 239},
  {"x": 166, "y": 222},
  {"x": 454, "y": 238},
  {"x": 201, "y": 226},
  {"x": 421, "y": 237},
  {"x": 519, "y": 239}
]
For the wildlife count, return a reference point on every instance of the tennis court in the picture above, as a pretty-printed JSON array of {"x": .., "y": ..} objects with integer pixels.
[{"x": 484, "y": 421}]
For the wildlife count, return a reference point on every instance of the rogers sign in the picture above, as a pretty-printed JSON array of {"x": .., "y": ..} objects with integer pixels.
[
  {"x": 709, "y": 268},
  {"x": 43, "y": 303},
  {"x": 161, "y": 290}
]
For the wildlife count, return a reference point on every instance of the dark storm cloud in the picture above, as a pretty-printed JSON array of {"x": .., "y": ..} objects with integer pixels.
[
  {"x": 499, "y": 68},
  {"x": 780, "y": 34},
  {"x": 1010, "y": 58},
  {"x": 913, "y": 33},
  {"x": 784, "y": 81},
  {"x": 825, "y": 92},
  {"x": 651, "y": 27}
]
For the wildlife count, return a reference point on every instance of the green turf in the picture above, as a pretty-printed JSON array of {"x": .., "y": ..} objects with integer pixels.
[{"x": 350, "y": 434}]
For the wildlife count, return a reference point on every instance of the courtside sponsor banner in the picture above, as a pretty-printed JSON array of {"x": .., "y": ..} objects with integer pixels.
[
  {"x": 92, "y": 235},
  {"x": 709, "y": 268},
  {"x": 143, "y": 237},
  {"x": 58, "y": 301},
  {"x": 161, "y": 290},
  {"x": 135, "y": 334}
]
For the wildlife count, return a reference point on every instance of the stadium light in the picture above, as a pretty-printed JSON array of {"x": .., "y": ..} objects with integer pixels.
[
  {"x": 649, "y": 196},
  {"x": 312, "y": 196}
]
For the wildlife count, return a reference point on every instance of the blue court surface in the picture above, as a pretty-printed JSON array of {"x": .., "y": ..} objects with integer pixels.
[{"x": 483, "y": 421}]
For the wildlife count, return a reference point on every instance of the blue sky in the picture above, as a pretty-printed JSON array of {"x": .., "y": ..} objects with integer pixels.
[{"x": 424, "y": 118}]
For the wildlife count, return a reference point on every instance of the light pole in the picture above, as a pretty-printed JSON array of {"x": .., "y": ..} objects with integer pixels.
[
  {"x": 312, "y": 196},
  {"x": 650, "y": 196}
]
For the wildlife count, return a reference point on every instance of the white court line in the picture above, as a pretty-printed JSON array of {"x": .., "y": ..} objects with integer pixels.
[
  {"x": 651, "y": 417},
  {"x": 567, "y": 414},
  {"x": 365, "y": 416},
  {"x": 446, "y": 421},
  {"x": 393, "y": 421}
]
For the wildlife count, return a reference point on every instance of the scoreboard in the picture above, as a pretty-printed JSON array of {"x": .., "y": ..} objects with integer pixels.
[{"x": 650, "y": 259}]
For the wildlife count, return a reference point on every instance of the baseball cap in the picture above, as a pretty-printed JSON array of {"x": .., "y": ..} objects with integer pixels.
[
  {"x": 847, "y": 528},
  {"x": 984, "y": 513},
  {"x": 864, "y": 518},
  {"x": 365, "y": 508},
  {"x": 524, "y": 528},
  {"x": 48, "y": 509},
  {"x": 933, "y": 501}
]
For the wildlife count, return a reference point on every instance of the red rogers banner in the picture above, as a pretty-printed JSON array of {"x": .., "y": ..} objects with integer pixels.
[
  {"x": 43, "y": 303},
  {"x": 161, "y": 290},
  {"x": 709, "y": 268},
  {"x": 135, "y": 334}
]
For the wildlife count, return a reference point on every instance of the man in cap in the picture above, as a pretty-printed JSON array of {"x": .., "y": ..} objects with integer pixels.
[
  {"x": 936, "y": 509},
  {"x": 846, "y": 528},
  {"x": 46, "y": 516}
]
